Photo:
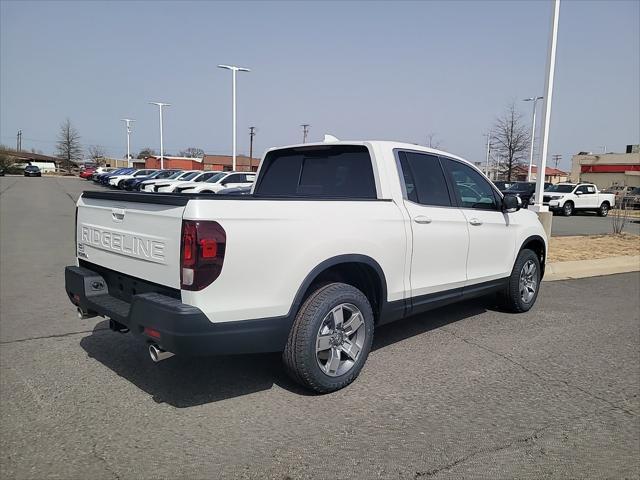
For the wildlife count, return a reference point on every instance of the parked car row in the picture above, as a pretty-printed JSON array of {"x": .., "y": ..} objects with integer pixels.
[
  {"x": 632, "y": 199},
  {"x": 172, "y": 181}
]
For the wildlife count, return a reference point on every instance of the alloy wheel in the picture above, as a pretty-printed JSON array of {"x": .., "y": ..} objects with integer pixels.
[
  {"x": 528, "y": 281},
  {"x": 340, "y": 339}
]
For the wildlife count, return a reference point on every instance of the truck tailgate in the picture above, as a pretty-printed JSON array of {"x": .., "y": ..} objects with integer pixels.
[{"x": 136, "y": 234}]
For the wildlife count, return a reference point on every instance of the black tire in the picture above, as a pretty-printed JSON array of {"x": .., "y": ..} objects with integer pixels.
[
  {"x": 513, "y": 299},
  {"x": 567, "y": 209},
  {"x": 603, "y": 211},
  {"x": 300, "y": 357}
]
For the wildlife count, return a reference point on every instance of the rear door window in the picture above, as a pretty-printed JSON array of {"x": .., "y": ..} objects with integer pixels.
[
  {"x": 339, "y": 171},
  {"x": 424, "y": 179}
]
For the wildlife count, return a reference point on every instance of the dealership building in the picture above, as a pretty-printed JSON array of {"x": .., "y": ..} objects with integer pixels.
[{"x": 607, "y": 169}]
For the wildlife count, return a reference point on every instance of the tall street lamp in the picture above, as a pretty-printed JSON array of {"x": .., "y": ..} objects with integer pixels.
[
  {"x": 546, "y": 115},
  {"x": 234, "y": 70},
  {"x": 128, "y": 122},
  {"x": 160, "y": 106},
  {"x": 533, "y": 131},
  {"x": 486, "y": 168}
]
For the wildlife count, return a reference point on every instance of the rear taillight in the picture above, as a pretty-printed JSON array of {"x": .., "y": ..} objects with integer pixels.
[{"x": 201, "y": 253}]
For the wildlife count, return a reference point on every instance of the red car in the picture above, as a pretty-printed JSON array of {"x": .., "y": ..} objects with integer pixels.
[{"x": 86, "y": 173}]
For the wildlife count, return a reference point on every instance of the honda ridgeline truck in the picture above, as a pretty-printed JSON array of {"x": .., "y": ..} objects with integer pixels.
[{"x": 336, "y": 239}]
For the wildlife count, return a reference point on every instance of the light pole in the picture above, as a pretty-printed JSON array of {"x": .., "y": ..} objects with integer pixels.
[
  {"x": 486, "y": 167},
  {"x": 546, "y": 110},
  {"x": 533, "y": 131},
  {"x": 160, "y": 106},
  {"x": 234, "y": 70},
  {"x": 128, "y": 122}
]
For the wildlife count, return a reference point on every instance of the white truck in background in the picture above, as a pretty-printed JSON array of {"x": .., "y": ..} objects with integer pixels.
[
  {"x": 568, "y": 198},
  {"x": 336, "y": 239}
]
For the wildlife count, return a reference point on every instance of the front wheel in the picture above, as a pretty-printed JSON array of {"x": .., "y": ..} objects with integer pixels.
[
  {"x": 567, "y": 209},
  {"x": 330, "y": 339},
  {"x": 524, "y": 283},
  {"x": 603, "y": 211}
]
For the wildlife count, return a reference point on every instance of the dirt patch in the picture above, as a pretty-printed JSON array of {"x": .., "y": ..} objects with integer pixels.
[{"x": 562, "y": 249}]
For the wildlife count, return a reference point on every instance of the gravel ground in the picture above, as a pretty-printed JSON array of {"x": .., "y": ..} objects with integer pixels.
[{"x": 463, "y": 392}]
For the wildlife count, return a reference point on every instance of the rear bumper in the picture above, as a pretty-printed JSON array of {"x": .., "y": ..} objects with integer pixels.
[{"x": 183, "y": 329}]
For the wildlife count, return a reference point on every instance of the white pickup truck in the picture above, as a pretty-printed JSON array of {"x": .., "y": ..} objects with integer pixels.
[
  {"x": 336, "y": 239},
  {"x": 568, "y": 198}
]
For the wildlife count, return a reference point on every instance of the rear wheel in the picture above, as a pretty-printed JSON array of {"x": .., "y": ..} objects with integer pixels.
[
  {"x": 330, "y": 338},
  {"x": 567, "y": 209},
  {"x": 603, "y": 211},
  {"x": 524, "y": 283}
]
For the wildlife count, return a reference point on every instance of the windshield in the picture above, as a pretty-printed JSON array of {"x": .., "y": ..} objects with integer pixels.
[
  {"x": 189, "y": 176},
  {"x": 635, "y": 191},
  {"x": 520, "y": 187},
  {"x": 216, "y": 177},
  {"x": 174, "y": 174},
  {"x": 561, "y": 188},
  {"x": 154, "y": 174}
]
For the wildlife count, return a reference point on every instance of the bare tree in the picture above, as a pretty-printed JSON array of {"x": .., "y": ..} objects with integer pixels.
[
  {"x": 97, "y": 153},
  {"x": 68, "y": 146},
  {"x": 6, "y": 159},
  {"x": 432, "y": 142},
  {"x": 192, "y": 152},
  {"x": 619, "y": 218},
  {"x": 146, "y": 152},
  {"x": 510, "y": 141}
]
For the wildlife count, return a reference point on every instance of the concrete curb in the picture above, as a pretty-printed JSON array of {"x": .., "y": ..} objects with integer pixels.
[{"x": 591, "y": 268}]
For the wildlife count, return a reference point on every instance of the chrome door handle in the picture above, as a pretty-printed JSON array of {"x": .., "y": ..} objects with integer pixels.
[
  {"x": 475, "y": 221},
  {"x": 422, "y": 219}
]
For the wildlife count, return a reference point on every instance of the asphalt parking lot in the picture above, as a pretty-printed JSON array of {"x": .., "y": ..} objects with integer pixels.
[
  {"x": 463, "y": 392},
  {"x": 587, "y": 223}
]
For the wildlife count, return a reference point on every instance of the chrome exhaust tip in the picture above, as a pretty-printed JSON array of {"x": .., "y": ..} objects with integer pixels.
[
  {"x": 83, "y": 314},
  {"x": 157, "y": 354}
]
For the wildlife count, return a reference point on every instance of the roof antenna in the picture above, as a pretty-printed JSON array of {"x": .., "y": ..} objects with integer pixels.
[{"x": 330, "y": 138}]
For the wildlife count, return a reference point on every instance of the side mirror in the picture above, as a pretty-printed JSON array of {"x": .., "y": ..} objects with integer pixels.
[
  {"x": 578, "y": 192},
  {"x": 511, "y": 203}
]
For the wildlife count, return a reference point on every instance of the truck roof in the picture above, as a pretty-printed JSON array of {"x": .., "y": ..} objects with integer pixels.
[{"x": 388, "y": 144}]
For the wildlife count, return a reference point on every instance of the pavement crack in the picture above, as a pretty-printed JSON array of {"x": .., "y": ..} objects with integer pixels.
[
  {"x": 103, "y": 460},
  {"x": 543, "y": 378},
  {"x": 7, "y": 188},
  {"x": 498, "y": 448},
  {"x": 55, "y": 335}
]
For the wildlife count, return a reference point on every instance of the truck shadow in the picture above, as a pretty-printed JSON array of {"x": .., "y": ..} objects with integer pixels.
[{"x": 186, "y": 382}]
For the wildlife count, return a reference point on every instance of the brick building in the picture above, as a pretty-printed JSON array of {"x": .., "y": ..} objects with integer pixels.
[
  {"x": 183, "y": 163},
  {"x": 224, "y": 163},
  {"x": 553, "y": 175}
]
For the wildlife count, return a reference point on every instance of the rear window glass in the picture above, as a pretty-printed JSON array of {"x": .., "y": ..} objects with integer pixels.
[{"x": 342, "y": 171}]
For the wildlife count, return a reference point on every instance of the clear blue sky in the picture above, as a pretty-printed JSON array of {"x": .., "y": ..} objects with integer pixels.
[{"x": 375, "y": 70}]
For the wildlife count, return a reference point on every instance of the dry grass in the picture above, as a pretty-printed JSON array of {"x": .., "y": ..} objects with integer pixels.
[
  {"x": 562, "y": 249},
  {"x": 630, "y": 213}
]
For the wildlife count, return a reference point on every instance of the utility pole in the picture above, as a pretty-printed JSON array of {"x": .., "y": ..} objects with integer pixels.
[
  {"x": 305, "y": 132},
  {"x": 556, "y": 160},
  {"x": 19, "y": 141},
  {"x": 128, "y": 123},
  {"x": 252, "y": 133}
]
